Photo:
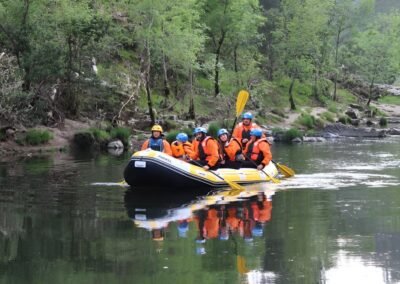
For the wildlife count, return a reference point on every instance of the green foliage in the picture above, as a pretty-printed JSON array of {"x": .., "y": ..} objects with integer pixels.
[
  {"x": 383, "y": 122},
  {"x": 37, "y": 137},
  {"x": 307, "y": 120},
  {"x": 393, "y": 100},
  {"x": 213, "y": 129},
  {"x": 343, "y": 119},
  {"x": 99, "y": 135},
  {"x": 171, "y": 136},
  {"x": 121, "y": 133},
  {"x": 328, "y": 116},
  {"x": 2, "y": 136},
  {"x": 291, "y": 134}
]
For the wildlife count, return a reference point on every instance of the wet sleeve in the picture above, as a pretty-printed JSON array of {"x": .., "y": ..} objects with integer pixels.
[
  {"x": 213, "y": 158},
  {"x": 145, "y": 145},
  {"x": 188, "y": 149},
  {"x": 265, "y": 149},
  {"x": 167, "y": 148},
  {"x": 236, "y": 133}
]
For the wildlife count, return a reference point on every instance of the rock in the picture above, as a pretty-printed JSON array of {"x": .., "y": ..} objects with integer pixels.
[
  {"x": 329, "y": 135},
  {"x": 297, "y": 140},
  {"x": 393, "y": 131},
  {"x": 370, "y": 123},
  {"x": 352, "y": 113},
  {"x": 355, "y": 122},
  {"x": 355, "y": 106},
  {"x": 10, "y": 133},
  {"x": 351, "y": 131},
  {"x": 314, "y": 139},
  {"x": 115, "y": 151},
  {"x": 117, "y": 144}
]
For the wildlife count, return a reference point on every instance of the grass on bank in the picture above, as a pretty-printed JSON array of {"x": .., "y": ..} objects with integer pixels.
[
  {"x": 37, "y": 137},
  {"x": 393, "y": 100}
]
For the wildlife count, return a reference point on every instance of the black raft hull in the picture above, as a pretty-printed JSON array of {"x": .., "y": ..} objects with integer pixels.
[{"x": 152, "y": 169}]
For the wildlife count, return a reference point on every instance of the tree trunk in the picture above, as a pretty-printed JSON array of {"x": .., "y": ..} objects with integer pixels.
[
  {"x": 216, "y": 67},
  {"x": 371, "y": 86},
  {"x": 191, "y": 112},
  {"x": 336, "y": 64},
  {"x": 235, "y": 56},
  {"x": 291, "y": 100},
  {"x": 147, "y": 64},
  {"x": 166, "y": 82}
]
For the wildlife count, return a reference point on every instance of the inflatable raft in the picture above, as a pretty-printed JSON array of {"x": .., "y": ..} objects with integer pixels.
[{"x": 150, "y": 168}]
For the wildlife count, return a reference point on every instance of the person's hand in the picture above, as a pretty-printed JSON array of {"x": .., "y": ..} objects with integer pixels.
[
  {"x": 245, "y": 140},
  {"x": 206, "y": 167},
  {"x": 223, "y": 162},
  {"x": 260, "y": 167}
]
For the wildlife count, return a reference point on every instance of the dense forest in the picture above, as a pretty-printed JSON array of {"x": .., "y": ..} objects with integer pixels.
[{"x": 110, "y": 60}]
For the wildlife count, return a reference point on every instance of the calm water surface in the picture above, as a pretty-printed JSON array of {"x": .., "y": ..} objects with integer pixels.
[{"x": 64, "y": 219}]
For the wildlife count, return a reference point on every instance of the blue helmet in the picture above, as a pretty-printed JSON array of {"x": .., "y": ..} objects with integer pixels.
[
  {"x": 199, "y": 129},
  {"x": 182, "y": 137},
  {"x": 247, "y": 115},
  {"x": 257, "y": 132},
  {"x": 222, "y": 131}
]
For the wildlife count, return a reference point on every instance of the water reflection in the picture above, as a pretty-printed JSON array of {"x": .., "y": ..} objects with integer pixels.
[{"x": 215, "y": 215}]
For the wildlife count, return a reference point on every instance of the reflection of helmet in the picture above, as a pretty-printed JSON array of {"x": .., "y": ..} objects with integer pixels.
[
  {"x": 247, "y": 115},
  {"x": 199, "y": 129},
  {"x": 257, "y": 132},
  {"x": 182, "y": 137},
  {"x": 222, "y": 131},
  {"x": 156, "y": 127},
  {"x": 257, "y": 231}
]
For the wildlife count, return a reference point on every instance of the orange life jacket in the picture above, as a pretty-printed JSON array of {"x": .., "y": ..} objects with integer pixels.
[
  {"x": 243, "y": 131},
  {"x": 205, "y": 153},
  {"x": 180, "y": 149},
  {"x": 230, "y": 151},
  {"x": 253, "y": 150}
]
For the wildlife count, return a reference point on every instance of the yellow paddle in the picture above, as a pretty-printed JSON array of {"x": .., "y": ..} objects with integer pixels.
[
  {"x": 236, "y": 188},
  {"x": 241, "y": 101},
  {"x": 285, "y": 170},
  {"x": 274, "y": 180}
]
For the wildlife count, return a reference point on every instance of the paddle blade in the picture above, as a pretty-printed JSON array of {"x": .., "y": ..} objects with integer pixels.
[
  {"x": 241, "y": 101},
  {"x": 285, "y": 170},
  {"x": 241, "y": 264},
  {"x": 236, "y": 188}
]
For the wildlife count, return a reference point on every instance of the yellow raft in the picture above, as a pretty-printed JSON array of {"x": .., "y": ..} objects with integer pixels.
[{"x": 150, "y": 168}]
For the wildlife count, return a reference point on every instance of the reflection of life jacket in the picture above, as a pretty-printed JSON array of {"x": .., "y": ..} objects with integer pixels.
[
  {"x": 231, "y": 150},
  {"x": 156, "y": 144},
  {"x": 253, "y": 150},
  {"x": 211, "y": 224}
]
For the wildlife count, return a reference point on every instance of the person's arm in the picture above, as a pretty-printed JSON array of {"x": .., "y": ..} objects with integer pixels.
[
  {"x": 237, "y": 133},
  {"x": 265, "y": 149},
  {"x": 188, "y": 149},
  {"x": 167, "y": 148},
  {"x": 145, "y": 145},
  {"x": 195, "y": 150},
  {"x": 213, "y": 158}
]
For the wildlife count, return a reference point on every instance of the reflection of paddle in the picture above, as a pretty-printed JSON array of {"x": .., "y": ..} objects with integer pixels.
[
  {"x": 240, "y": 261},
  {"x": 241, "y": 101},
  {"x": 236, "y": 188},
  {"x": 274, "y": 180},
  {"x": 285, "y": 170}
]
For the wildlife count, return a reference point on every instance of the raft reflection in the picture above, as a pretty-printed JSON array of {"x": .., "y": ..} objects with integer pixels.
[{"x": 215, "y": 214}]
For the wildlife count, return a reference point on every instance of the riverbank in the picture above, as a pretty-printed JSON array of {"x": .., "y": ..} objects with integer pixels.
[{"x": 64, "y": 134}]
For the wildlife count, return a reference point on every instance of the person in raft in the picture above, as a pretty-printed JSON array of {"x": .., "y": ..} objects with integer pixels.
[
  {"x": 242, "y": 129},
  {"x": 181, "y": 148},
  {"x": 230, "y": 150},
  {"x": 156, "y": 141},
  {"x": 257, "y": 151},
  {"x": 205, "y": 150}
]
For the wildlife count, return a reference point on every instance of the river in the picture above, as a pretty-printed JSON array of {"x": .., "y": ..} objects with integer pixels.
[{"x": 65, "y": 219}]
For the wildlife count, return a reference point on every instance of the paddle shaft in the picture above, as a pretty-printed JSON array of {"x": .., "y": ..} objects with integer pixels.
[{"x": 270, "y": 177}]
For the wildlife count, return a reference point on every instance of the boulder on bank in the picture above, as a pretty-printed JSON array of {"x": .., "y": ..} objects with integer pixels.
[
  {"x": 351, "y": 131},
  {"x": 117, "y": 144}
]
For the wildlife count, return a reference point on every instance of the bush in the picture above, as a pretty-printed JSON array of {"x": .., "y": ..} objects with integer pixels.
[
  {"x": 121, "y": 133},
  {"x": 383, "y": 122},
  {"x": 171, "y": 136},
  {"x": 99, "y": 135},
  {"x": 343, "y": 120},
  {"x": 84, "y": 140},
  {"x": 213, "y": 129},
  {"x": 291, "y": 134},
  {"x": 2, "y": 136},
  {"x": 37, "y": 137},
  {"x": 307, "y": 120},
  {"x": 328, "y": 116}
]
